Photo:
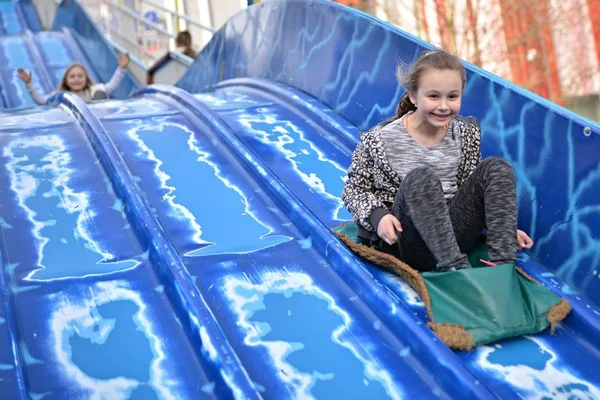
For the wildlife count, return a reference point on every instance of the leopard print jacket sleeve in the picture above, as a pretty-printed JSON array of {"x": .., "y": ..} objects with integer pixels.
[
  {"x": 372, "y": 183},
  {"x": 470, "y": 141}
]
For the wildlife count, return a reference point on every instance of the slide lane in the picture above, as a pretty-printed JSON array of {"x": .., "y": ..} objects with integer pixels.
[
  {"x": 57, "y": 51},
  {"x": 90, "y": 316},
  {"x": 16, "y": 52},
  {"x": 11, "y": 22}
]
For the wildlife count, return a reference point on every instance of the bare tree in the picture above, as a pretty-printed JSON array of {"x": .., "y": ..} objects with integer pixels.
[
  {"x": 522, "y": 35},
  {"x": 526, "y": 42}
]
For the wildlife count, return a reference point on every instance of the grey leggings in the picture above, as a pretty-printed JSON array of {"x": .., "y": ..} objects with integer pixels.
[{"x": 437, "y": 233}]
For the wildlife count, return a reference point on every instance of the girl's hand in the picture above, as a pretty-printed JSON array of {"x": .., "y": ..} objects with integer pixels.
[
  {"x": 523, "y": 240},
  {"x": 387, "y": 227},
  {"x": 24, "y": 75},
  {"x": 124, "y": 61}
]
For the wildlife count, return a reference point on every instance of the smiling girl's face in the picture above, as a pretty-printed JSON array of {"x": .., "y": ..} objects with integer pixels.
[{"x": 438, "y": 98}]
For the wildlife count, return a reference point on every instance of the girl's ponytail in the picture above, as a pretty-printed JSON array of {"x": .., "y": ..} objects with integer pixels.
[{"x": 405, "y": 106}]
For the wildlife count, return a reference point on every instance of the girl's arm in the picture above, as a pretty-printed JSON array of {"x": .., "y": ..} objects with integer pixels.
[
  {"x": 477, "y": 143},
  {"x": 118, "y": 76},
  {"x": 33, "y": 90},
  {"x": 36, "y": 95},
  {"x": 470, "y": 148},
  {"x": 115, "y": 81},
  {"x": 358, "y": 193}
]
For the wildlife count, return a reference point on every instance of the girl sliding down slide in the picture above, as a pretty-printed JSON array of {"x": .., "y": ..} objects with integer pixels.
[{"x": 76, "y": 80}]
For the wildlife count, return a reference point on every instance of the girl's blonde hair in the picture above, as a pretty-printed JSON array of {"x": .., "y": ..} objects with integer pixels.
[
  {"x": 410, "y": 77},
  {"x": 63, "y": 87}
]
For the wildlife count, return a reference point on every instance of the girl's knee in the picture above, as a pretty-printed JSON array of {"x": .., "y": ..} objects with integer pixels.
[
  {"x": 497, "y": 165},
  {"x": 420, "y": 183},
  {"x": 420, "y": 176}
]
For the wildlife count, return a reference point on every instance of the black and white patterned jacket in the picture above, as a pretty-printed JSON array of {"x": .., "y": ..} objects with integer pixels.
[{"x": 372, "y": 183}]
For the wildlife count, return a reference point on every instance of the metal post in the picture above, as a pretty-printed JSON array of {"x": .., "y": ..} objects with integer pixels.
[{"x": 177, "y": 25}]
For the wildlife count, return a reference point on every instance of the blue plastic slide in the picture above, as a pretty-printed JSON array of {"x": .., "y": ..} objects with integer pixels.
[{"x": 177, "y": 244}]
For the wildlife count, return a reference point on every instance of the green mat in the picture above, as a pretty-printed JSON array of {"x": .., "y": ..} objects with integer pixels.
[{"x": 472, "y": 306}]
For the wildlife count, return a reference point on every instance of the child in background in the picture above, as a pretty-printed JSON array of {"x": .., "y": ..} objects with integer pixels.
[
  {"x": 77, "y": 81},
  {"x": 183, "y": 42},
  {"x": 417, "y": 185}
]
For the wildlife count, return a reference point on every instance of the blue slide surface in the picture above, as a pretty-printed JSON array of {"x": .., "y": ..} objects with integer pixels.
[{"x": 175, "y": 242}]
